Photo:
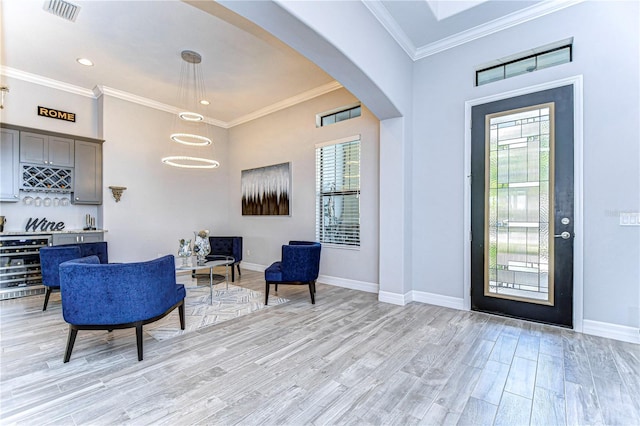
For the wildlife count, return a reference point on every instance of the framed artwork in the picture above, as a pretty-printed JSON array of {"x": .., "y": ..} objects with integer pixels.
[{"x": 266, "y": 190}]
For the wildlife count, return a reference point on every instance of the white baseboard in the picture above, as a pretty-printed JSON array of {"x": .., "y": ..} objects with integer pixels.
[
  {"x": 252, "y": 266},
  {"x": 347, "y": 283},
  {"x": 438, "y": 300},
  {"x": 394, "y": 298},
  {"x": 325, "y": 279},
  {"x": 611, "y": 331},
  {"x": 421, "y": 297}
]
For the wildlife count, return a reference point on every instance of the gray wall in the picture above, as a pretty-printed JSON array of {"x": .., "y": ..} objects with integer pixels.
[
  {"x": 161, "y": 204},
  {"x": 290, "y": 135},
  {"x": 606, "y": 53}
]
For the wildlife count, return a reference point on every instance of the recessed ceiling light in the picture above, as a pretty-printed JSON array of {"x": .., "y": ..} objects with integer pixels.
[
  {"x": 204, "y": 102},
  {"x": 84, "y": 61}
]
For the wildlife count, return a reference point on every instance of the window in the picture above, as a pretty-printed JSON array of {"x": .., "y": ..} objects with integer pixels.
[
  {"x": 338, "y": 192},
  {"x": 337, "y": 115},
  {"x": 543, "y": 57}
]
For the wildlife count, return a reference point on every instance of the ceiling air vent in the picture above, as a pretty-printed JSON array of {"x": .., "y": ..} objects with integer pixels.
[{"x": 62, "y": 9}]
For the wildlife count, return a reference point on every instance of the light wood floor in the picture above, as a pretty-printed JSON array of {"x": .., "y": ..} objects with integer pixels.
[{"x": 347, "y": 360}]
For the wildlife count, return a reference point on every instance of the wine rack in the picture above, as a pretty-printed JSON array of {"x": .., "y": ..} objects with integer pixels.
[{"x": 47, "y": 179}]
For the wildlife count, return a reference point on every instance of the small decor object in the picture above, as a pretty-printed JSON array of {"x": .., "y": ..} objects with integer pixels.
[
  {"x": 185, "y": 250},
  {"x": 117, "y": 191},
  {"x": 90, "y": 221},
  {"x": 201, "y": 246},
  {"x": 266, "y": 190}
]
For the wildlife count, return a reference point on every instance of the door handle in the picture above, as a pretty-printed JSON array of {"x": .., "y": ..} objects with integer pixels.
[{"x": 565, "y": 235}]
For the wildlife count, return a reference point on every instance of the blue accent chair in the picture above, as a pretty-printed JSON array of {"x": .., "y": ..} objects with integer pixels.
[
  {"x": 227, "y": 246},
  {"x": 300, "y": 264},
  {"x": 52, "y": 257},
  {"x": 118, "y": 295}
]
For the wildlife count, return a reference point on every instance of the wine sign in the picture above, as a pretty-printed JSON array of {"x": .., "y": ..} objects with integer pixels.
[{"x": 36, "y": 224}]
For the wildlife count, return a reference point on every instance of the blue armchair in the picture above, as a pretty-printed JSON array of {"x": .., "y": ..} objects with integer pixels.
[
  {"x": 227, "y": 246},
  {"x": 52, "y": 257},
  {"x": 118, "y": 295},
  {"x": 300, "y": 264}
]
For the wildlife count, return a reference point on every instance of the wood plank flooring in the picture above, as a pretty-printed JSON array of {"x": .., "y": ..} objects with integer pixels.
[{"x": 348, "y": 360}]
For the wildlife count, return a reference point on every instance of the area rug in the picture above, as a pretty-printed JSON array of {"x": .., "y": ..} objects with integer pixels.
[{"x": 227, "y": 304}]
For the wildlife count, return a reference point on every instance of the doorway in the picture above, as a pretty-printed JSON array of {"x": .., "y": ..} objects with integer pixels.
[{"x": 522, "y": 206}]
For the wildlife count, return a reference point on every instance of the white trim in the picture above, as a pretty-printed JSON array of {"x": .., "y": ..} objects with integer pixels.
[
  {"x": 44, "y": 81},
  {"x": 394, "y": 298},
  {"x": 611, "y": 331},
  {"x": 578, "y": 242},
  {"x": 130, "y": 97},
  {"x": 438, "y": 300},
  {"x": 253, "y": 266},
  {"x": 347, "y": 283},
  {"x": 100, "y": 90},
  {"x": 326, "y": 279},
  {"x": 377, "y": 9},
  {"x": 286, "y": 103},
  {"x": 383, "y": 16},
  {"x": 338, "y": 141}
]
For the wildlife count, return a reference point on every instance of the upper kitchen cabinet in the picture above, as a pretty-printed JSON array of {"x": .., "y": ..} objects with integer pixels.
[
  {"x": 87, "y": 187},
  {"x": 36, "y": 148},
  {"x": 9, "y": 167}
]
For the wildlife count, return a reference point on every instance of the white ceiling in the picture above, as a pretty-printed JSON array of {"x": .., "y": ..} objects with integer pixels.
[{"x": 136, "y": 45}]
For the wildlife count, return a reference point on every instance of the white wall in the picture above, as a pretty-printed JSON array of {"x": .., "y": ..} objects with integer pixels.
[
  {"x": 20, "y": 109},
  {"x": 161, "y": 203},
  {"x": 607, "y": 55},
  {"x": 290, "y": 135}
]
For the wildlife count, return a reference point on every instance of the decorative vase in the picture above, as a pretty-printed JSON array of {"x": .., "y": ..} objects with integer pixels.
[
  {"x": 184, "y": 251},
  {"x": 201, "y": 246}
]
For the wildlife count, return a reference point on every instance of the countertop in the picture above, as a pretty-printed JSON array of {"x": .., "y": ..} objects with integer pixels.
[{"x": 65, "y": 231}]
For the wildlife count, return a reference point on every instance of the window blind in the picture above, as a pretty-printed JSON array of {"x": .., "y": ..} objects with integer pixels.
[{"x": 338, "y": 192}]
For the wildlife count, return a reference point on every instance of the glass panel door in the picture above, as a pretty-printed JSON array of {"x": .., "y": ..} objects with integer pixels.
[
  {"x": 522, "y": 206},
  {"x": 519, "y": 173}
]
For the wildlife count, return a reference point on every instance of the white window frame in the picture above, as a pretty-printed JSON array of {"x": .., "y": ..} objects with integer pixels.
[{"x": 349, "y": 237}]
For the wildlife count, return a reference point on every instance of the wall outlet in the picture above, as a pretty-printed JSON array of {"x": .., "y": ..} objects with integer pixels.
[
  {"x": 248, "y": 252},
  {"x": 629, "y": 219}
]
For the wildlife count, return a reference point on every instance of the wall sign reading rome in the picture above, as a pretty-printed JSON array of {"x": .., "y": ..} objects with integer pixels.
[{"x": 54, "y": 113}]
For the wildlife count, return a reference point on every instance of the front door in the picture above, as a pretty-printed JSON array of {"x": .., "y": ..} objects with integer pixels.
[{"x": 522, "y": 207}]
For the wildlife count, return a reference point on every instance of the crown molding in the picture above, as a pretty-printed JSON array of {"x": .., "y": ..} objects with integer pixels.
[
  {"x": 44, "y": 81},
  {"x": 286, "y": 103},
  {"x": 516, "y": 18},
  {"x": 100, "y": 90},
  {"x": 391, "y": 25},
  {"x": 492, "y": 27},
  {"x": 130, "y": 97}
]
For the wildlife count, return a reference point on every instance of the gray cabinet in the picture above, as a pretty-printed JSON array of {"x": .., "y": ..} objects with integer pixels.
[
  {"x": 9, "y": 167},
  {"x": 87, "y": 185},
  {"x": 79, "y": 237},
  {"x": 37, "y": 148}
]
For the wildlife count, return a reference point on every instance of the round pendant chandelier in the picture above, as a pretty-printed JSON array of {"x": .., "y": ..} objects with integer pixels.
[{"x": 189, "y": 124}]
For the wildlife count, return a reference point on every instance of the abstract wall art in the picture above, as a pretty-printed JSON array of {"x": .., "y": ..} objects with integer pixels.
[{"x": 266, "y": 191}]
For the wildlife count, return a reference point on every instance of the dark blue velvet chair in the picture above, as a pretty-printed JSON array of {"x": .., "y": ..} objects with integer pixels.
[
  {"x": 52, "y": 257},
  {"x": 118, "y": 295},
  {"x": 227, "y": 246},
  {"x": 300, "y": 264}
]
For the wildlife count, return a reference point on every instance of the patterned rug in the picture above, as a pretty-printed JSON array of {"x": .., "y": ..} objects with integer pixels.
[{"x": 227, "y": 304}]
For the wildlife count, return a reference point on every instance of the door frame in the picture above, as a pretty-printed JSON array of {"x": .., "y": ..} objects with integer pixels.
[{"x": 578, "y": 248}]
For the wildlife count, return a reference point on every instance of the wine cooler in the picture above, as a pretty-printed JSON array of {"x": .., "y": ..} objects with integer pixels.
[{"x": 20, "y": 273}]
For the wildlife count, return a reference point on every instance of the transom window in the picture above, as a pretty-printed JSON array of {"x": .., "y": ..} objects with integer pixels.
[
  {"x": 338, "y": 115},
  {"x": 543, "y": 57},
  {"x": 338, "y": 192}
]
